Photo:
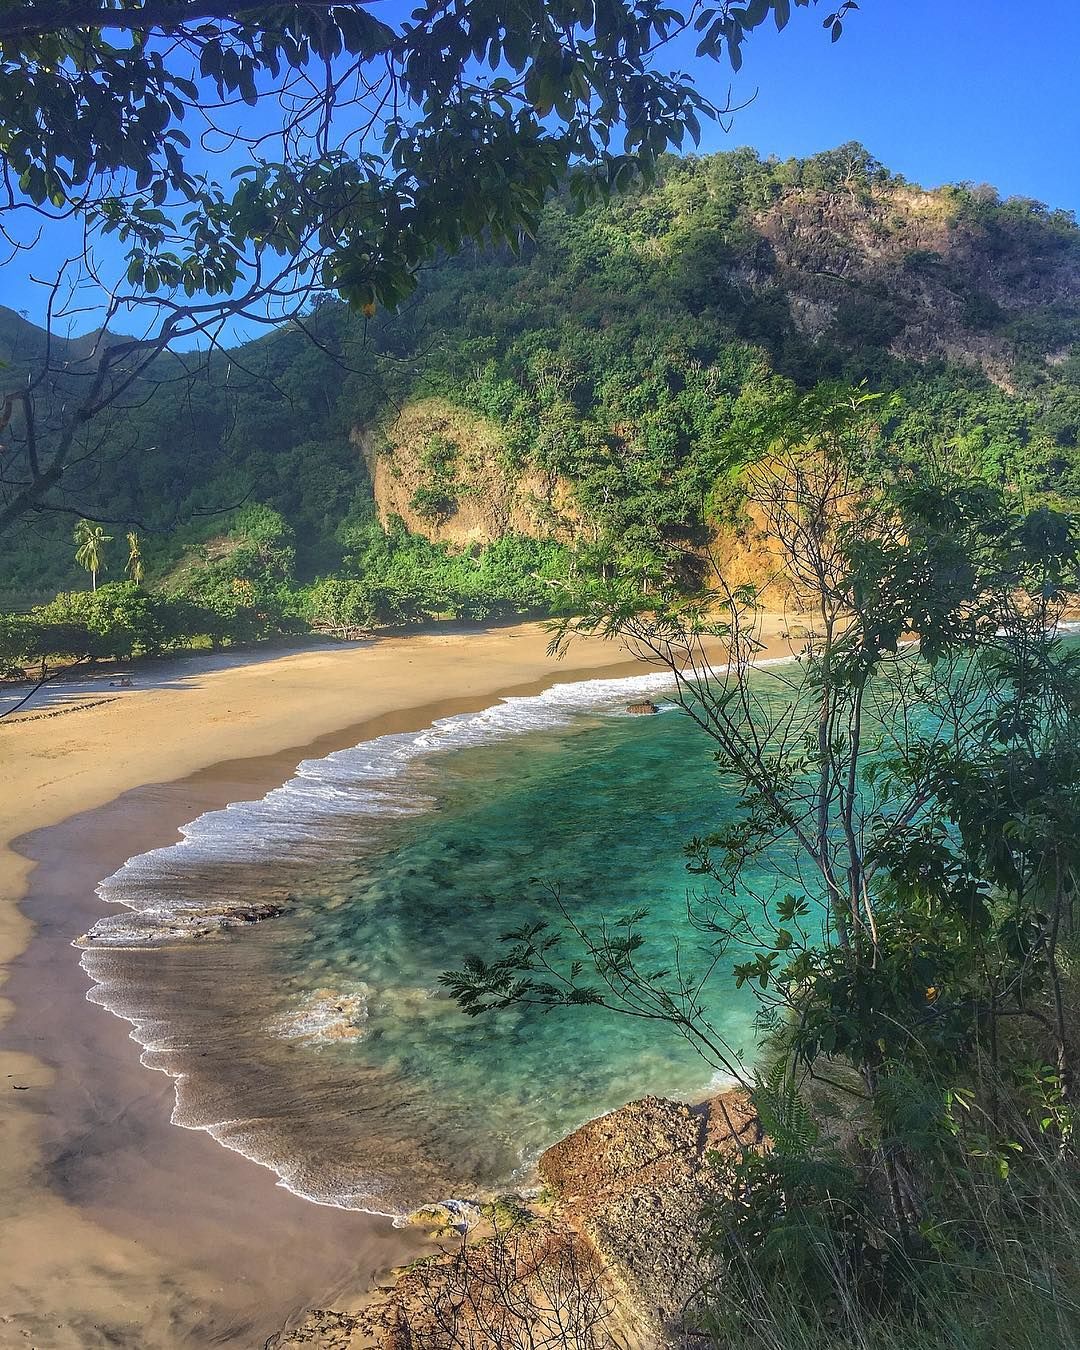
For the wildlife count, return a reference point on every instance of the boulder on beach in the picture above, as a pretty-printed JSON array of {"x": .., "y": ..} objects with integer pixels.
[{"x": 643, "y": 709}]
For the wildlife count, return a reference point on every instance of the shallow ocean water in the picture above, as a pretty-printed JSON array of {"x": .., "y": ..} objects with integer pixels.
[{"x": 322, "y": 1044}]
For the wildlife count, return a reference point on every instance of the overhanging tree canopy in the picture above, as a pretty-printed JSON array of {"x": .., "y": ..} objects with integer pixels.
[{"x": 371, "y": 140}]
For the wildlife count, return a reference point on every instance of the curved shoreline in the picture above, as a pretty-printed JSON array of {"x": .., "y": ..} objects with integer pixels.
[
  {"x": 82, "y": 1244},
  {"x": 155, "y": 945}
]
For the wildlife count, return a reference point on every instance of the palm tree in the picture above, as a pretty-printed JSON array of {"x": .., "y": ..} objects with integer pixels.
[
  {"x": 134, "y": 562},
  {"x": 91, "y": 540}
]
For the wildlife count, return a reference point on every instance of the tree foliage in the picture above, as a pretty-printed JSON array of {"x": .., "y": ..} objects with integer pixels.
[
  {"x": 385, "y": 138},
  {"x": 907, "y": 791},
  {"x": 90, "y": 553}
]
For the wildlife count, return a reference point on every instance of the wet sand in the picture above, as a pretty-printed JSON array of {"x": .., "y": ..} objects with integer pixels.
[
  {"x": 117, "y": 1228},
  {"x": 134, "y": 1232}
]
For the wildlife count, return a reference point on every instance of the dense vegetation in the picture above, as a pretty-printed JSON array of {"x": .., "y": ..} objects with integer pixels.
[
  {"x": 895, "y": 885},
  {"x": 639, "y": 352}
]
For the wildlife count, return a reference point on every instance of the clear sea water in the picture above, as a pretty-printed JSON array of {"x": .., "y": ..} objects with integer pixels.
[{"x": 321, "y": 1042}]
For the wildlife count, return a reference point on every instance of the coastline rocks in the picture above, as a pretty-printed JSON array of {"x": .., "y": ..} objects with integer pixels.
[
  {"x": 634, "y": 1182},
  {"x": 645, "y": 708},
  {"x": 449, "y": 1216},
  {"x": 183, "y": 926},
  {"x": 257, "y": 913},
  {"x": 611, "y": 1265},
  {"x": 533, "y": 1283},
  {"x": 323, "y": 1328}
]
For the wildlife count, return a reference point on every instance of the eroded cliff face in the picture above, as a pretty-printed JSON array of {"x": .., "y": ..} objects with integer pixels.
[
  {"x": 916, "y": 276},
  {"x": 445, "y": 472}
]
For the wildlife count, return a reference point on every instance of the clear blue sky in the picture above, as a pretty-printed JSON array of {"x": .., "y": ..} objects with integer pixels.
[{"x": 939, "y": 90}]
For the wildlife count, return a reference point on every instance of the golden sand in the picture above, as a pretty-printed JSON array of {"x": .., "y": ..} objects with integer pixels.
[{"x": 116, "y": 1228}]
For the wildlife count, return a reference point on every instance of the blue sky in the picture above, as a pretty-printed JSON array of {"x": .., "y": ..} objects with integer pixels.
[{"x": 939, "y": 90}]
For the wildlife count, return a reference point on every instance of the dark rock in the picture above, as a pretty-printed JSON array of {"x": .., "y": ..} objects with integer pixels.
[
  {"x": 643, "y": 709},
  {"x": 256, "y": 913}
]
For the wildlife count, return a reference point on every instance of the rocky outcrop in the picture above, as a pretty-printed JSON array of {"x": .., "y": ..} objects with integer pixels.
[
  {"x": 236, "y": 915},
  {"x": 643, "y": 709},
  {"x": 911, "y": 271},
  {"x": 322, "y": 1328},
  {"x": 445, "y": 473},
  {"x": 608, "y": 1262},
  {"x": 634, "y": 1183},
  {"x": 469, "y": 495},
  {"x": 185, "y": 924},
  {"x": 534, "y": 1283}
]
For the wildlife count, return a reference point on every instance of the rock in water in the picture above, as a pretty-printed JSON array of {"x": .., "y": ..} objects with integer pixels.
[
  {"x": 254, "y": 913},
  {"x": 642, "y": 709}
]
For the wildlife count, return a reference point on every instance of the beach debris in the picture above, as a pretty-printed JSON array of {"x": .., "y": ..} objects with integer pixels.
[{"x": 645, "y": 708}]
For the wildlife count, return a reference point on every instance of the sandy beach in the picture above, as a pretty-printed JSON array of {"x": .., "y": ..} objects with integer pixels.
[{"x": 116, "y": 1228}]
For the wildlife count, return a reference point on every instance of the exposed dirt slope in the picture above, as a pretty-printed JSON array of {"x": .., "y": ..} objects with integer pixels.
[{"x": 445, "y": 473}]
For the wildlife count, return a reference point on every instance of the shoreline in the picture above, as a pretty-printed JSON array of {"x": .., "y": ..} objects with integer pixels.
[{"x": 82, "y": 1242}]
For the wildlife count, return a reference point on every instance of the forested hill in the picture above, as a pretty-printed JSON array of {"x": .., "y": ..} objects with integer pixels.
[{"x": 600, "y": 389}]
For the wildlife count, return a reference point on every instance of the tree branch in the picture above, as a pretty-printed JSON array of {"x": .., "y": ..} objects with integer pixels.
[{"x": 167, "y": 16}]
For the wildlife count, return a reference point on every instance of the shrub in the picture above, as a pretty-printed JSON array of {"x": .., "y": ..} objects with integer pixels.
[{"x": 119, "y": 620}]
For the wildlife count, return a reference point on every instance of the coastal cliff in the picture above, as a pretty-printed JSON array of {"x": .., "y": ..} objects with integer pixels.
[{"x": 445, "y": 473}]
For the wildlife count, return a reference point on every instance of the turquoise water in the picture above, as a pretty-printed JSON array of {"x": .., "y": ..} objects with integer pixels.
[
  {"x": 601, "y": 814},
  {"x": 323, "y": 1043}
]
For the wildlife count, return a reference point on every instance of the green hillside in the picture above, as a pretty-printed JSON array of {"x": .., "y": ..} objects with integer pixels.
[{"x": 629, "y": 357}]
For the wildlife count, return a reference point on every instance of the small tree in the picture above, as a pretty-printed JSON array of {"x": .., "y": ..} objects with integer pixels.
[
  {"x": 134, "y": 569},
  {"x": 90, "y": 551}
]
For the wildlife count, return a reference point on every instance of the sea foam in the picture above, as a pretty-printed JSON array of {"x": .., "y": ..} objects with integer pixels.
[
  {"x": 163, "y": 890},
  {"x": 181, "y": 996},
  {"x": 171, "y": 894}
]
